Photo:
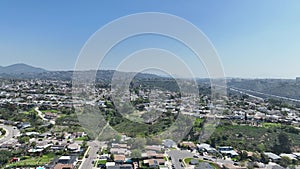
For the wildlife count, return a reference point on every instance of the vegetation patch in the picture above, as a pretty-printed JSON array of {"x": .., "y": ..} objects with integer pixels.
[{"x": 35, "y": 161}]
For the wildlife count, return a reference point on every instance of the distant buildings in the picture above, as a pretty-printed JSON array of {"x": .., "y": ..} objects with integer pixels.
[{"x": 298, "y": 80}]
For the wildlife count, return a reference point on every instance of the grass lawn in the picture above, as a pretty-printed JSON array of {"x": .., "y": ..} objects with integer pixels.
[
  {"x": 268, "y": 125},
  {"x": 104, "y": 151},
  {"x": 36, "y": 161},
  {"x": 187, "y": 160},
  {"x": 101, "y": 161},
  {"x": 26, "y": 112},
  {"x": 52, "y": 111},
  {"x": 81, "y": 138}
]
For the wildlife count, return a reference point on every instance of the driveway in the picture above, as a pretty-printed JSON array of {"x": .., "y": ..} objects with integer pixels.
[{"x": 40, "y": 114}]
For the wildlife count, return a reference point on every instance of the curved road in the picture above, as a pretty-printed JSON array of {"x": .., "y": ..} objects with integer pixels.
[{"x": 11, "y": 131}]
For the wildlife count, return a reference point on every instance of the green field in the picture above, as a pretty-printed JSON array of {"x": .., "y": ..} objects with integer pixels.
[
  {"x": 96, "y": 163},
  {"x": 84, "y": 138},
  {"x": 52, "y": 111},
  {"x": 270, "y": 125},
  {"x": 36, "y": 161}
]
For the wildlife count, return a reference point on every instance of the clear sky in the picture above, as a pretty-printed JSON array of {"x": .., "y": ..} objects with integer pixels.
[{"x": 254, "y": 38}]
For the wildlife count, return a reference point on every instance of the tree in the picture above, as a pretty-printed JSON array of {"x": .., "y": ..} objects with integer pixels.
[
  {"x": 255, "y": 157},
  {"x": 243, "y": 155},
  {"x": 264, "y": 158},
  {"x": 33, "y": 144},
  {"x": 2, "y": 131},
  {"x": 138, "y": 143},
  {"x": 84, "y": 144},
  {"x": 118, "y": 138},
  {"x": 136, "y": 153},
  {"x": 4, "y": 156},
  {"x": 153, "y": 141},
  {"x": 285, "y": 162},
  {"x": 23, "y": 139},
  {"x": 213, "y": 142},
  {"x": 284, "y": 144},
  {"x": 261, "y": 147}
]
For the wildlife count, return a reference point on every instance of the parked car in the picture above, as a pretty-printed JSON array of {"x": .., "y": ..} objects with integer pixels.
[{"x": 196, "y": 156}]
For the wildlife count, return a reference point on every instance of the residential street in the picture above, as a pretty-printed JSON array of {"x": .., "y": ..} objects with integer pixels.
[
  {"x": 179, "y": 154},
  {"x": 92, "y": 154},
  {"x": 10, "y": 133}
]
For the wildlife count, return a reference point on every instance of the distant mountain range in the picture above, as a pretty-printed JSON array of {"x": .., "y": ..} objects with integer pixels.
[
  {"x": 23, "y": 71},
  {"x": 20, "y": 68}
]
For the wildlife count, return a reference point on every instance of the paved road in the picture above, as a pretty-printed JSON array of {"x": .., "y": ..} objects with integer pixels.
[
  {"x": 87, "y": 162},
  {"x": 11, "y": 131},
  {"x": 247, "y": 91},
  {"x": 179, "y": 154},
  {"x": 40, "y": 114}
]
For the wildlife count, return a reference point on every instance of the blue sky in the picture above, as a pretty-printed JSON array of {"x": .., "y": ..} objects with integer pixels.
[{"x": 254, "y": 38}]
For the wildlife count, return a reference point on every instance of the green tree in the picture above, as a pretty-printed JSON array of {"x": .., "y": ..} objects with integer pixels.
[
  {"x": 138, "y": 143},
  {"x": 284, "y": 144},
  {"x": 23, "y": 139},
  {"x": 33, "y": 144},
  {"x": 243, "y": 155},
  {"x": 285, "y": 162},
  {"x": 264, "y": 158},
  {"x": 261, "y": 147},
  {"x": 4, "y": 156},
  {"x": 255, "y": 157},
  {"x": 118, "y": 138},
  {"x": 136, "y": 153},
  {"x": 2, "y": 131}
]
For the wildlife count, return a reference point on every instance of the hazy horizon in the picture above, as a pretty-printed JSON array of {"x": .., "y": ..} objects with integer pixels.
[{"x": 157, "y": 73}]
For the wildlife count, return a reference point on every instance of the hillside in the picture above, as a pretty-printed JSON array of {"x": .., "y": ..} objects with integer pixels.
[{"x": 20, "y": 68}]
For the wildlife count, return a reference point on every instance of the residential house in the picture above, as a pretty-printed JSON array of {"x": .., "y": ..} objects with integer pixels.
[
  {"x": 228, "y": 151},
  {"x": 273, "y": 157},
  {"x": 119, "y": 159},
  {"x": 49, "y": 115}
]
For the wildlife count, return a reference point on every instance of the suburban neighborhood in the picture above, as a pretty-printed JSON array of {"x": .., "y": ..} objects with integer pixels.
[{"x": 43, "y": 132}]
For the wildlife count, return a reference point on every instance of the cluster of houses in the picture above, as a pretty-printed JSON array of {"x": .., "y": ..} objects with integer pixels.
[
  {"x": 30, "y": 93},
  {"x": 57, "y": 94},
  {"x": 44, "y": 143},
  {"x": 152, "y": 157}
]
